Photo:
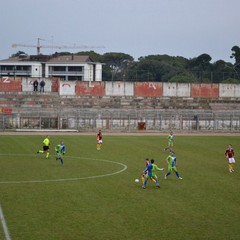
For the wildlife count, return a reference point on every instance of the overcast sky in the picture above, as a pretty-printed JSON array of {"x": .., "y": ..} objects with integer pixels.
[{"x": 186, "y": 28}]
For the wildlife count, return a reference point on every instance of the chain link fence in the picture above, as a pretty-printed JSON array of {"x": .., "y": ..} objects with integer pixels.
[
  {"x": 196, "y": 76},
  {"x": 123, "y": 120}
]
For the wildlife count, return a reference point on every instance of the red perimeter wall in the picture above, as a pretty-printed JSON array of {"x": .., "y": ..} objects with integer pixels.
[
  {"x": 10, "y": 85},
  {"x": 55, "y": 84},
  {"x": 148, "y": 89},
  {"x": 90, "y": 89},
  {"x": 205, "y": 90}
]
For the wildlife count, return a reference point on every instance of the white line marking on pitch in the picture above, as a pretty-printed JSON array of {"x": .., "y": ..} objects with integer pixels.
[
  {"x": 67, "y": 179},
  {"x": 4, "y": 225}
]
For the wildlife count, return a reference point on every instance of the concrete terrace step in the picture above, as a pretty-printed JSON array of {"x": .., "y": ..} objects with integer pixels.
[{"x": 52, "y": 101}]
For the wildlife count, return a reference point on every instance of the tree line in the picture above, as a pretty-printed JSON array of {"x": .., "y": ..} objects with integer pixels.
[{"x": 165, "y": 68}]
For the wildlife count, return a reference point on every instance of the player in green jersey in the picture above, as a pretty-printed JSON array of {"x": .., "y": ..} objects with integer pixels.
[
  {"x": 151, "y": 170},
  {"x": 170, "y": 142},
  {"x": 60, "y": 150},
  {"x": 171, "y": 161}
]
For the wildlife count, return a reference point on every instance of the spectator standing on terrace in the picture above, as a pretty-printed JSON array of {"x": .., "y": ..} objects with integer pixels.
[
  {"x": 42, "y": 84},
  {"x": 35, "y": 85}
]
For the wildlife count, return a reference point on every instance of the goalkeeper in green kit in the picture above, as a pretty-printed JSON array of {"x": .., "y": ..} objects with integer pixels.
[{"x": 60, "y": 150}]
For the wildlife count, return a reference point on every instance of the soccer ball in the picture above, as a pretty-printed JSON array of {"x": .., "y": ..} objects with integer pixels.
[{"x": 136, "y": 180}]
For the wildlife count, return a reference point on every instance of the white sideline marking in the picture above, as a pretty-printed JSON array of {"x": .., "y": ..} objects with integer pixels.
[
  {"x": 4, "y": 225},
  {"x": 66, "y": 179},
  {"x": 44, "y": 130}
]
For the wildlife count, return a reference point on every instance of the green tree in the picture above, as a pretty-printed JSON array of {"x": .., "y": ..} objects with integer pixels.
[
  {"x": 231, "y": 80},
  {"x": 201, "y": 67},
  {"x": 236, "y": 56},
  {"x": 96, "y": 57},
  {"x": 149, "y": 70},
  {"x": 118, "y": 64},
  {"x": 183, "y": 78},
  {"x": 201, "y": 63},
  {"x": 19, "y": 53},
  {"x": 158, "y": 68},
  {"x": 178, "y": 62},
  {"x": 223, "y": 71}
]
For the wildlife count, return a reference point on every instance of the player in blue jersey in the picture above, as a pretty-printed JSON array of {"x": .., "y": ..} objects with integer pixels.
[
  {"x": 60, "y": 150},
  {"x": 172, "y": 165},
  {"x": 151, "y": 170}
]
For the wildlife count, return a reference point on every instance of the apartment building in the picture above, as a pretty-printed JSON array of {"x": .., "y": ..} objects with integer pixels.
[{"x": 66, "y": 67}]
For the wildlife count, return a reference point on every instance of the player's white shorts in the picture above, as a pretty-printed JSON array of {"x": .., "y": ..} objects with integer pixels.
[
  {"x": 100, "y": 141},
  {"x": 231, "y": 160}
]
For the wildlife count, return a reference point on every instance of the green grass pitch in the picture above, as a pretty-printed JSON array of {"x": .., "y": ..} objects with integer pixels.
[{"x": 94, "y": 195}]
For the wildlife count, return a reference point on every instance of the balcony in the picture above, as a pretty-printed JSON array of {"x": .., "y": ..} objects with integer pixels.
[{"x": 15, "y": 73}]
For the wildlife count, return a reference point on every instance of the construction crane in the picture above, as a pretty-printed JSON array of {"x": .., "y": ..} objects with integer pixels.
[{"x": 39, "y": 46}]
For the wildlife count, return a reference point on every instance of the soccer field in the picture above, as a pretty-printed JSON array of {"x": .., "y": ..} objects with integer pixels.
[{"x": 94, "y": 196}]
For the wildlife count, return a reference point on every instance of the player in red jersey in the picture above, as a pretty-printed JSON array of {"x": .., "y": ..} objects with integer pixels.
[
  {"x": 145, "y": 173},
  {"x": 99, "y": 140},
  {"x": 229, "y": 154}
]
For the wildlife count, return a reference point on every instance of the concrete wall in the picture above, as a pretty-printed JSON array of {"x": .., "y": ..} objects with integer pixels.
[
  {"x": 36, "y": 70},
  {"x": 122, "y": 89},
  {"x": 27, "y": 84},
  {"x": 176, "y": 89},
  {"x": 67, "y": 88},
  {"x": 119, "y": 89},
  {"x": 98, "y": 72},
  {"x": 229, "y": 90}
]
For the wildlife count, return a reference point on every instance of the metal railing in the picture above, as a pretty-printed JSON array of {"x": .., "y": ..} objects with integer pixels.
[{"x": 124, "y": 120}]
